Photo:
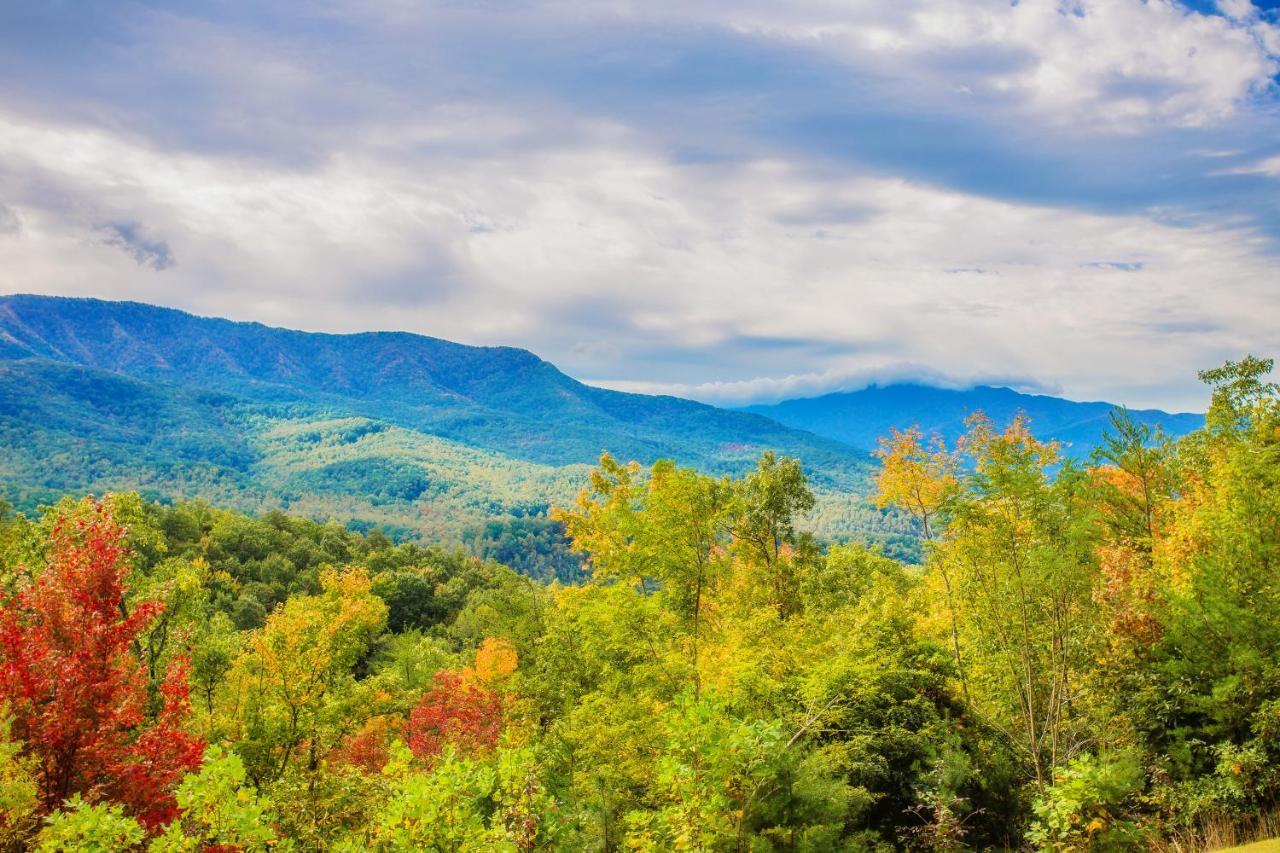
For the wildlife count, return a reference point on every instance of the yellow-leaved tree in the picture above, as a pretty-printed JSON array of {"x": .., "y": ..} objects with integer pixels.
[
  {"x": 920, "y": 476},
  {"x": 293, "y": 685}
]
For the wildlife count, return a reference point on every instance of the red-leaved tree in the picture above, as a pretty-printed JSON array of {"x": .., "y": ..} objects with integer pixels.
[
  {"x": 454, "y": 711},
  {"x": 368, "y": 749},
  {"x": 76, "y": 688}
]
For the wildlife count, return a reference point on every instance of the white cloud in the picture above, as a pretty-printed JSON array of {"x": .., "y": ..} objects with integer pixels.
[
  {"x": 766, "y": 389},
  {"x": 1269, "y": 166},
  {"x": 1108, "y": 65},
  {"x": 432, "y": 166}
]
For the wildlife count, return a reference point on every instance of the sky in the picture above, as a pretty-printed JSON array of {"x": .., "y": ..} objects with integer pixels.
[{"x": 733, "y": 201}]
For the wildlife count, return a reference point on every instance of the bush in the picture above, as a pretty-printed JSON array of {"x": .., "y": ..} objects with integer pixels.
[
  {"x": 85, "y": 828},
  {"x": 1084, "y": 807}
]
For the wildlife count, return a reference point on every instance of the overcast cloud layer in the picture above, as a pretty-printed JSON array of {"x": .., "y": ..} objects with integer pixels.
[{"x": 735, "y": 201}]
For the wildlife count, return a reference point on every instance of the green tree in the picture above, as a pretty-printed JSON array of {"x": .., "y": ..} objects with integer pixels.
[
  {"x": 1207, "y": 702},
  {"x": 446, "y": 809},
  {"x": 1087, "y": 807},
  {"x": 219, "y": 810},
  {"x": 772, "y": 499},
  {"x": 215, "y": 645},
  {"x": 1019, "y": 545},
  {"x": 18, "y": 790},
  {"x": 672, "y": 530}
]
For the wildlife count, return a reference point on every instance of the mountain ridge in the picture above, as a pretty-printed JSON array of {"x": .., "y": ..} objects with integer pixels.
[
  {"x": 392, "y": 373},
  {"x": 861, "y": 416},
  {"x": 421, "y": 436}
]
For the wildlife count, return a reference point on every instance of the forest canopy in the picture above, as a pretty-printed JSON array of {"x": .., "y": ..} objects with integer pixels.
[{"x": 1087, "y": 656}]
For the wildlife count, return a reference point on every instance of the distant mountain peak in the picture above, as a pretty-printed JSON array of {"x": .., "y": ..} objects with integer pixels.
[{"x": 859, "y": 418}]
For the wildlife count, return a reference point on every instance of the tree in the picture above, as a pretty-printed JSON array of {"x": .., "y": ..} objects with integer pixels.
[
  {"x": 920, "y": 478},
  {"x": 724, "y": 783},
  {"x": 178, "y": 586},
  {"x": 214, "y": 647},
  {"x": 682, "y": 539},
  {"x": 220, "y": 811},
  {"x": 457, "y": 711},
  {"x": 369, "y": 748},
  {"x": 83, "y": 827},
  {"x": 411, "y": 600},
  {"x": 1133, "y": 486},
  {"x": 17, "y": 791},
  {"x": 1019, "y": 546},
  {"x": 76, "y": 687},
  {"x": 445, "y": 809},
  {"x": 1208, "y": 703},
  {"x": 1085, "y": 809},
  {"x": 1240, "y": 393},
  {"x": 671, "y": 530},
  {"x": 602, "y": 521},
  {"x": 496, "y": 661},
  {"x": 291, "y": 686},
  {"x": 771, "y": 500},
  {"x": 916, "y": 475}
]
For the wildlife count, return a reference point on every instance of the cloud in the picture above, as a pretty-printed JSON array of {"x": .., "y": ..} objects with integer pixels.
[
  {"x": 727, "y": 198},
  {"x": 1110, "y": 65},
  {"x": 772, "y": 389},
  {"x": 130, "y": 239},
  {"x": 597, "y": 350},
  {"x": 687, "y": 265},
  {"x": 1118, "y": 266},
  {"x": 1269, "y": 166},
  {"x": 9, "y": 221}
]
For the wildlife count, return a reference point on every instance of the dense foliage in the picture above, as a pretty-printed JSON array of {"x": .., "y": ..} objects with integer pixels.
[{"x": 1088, "y": 657}]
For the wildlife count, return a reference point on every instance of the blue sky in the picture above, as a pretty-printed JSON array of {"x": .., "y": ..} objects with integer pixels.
[{"x": 732, "y": 201}]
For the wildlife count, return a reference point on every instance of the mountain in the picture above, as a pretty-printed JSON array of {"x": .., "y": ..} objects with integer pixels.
[
  {"x": 860, "y": 418},
  {"x": 415, "y": 434}
]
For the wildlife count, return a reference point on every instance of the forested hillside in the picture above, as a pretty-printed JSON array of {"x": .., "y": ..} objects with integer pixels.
[
  {"x": 494, "y": 398},
  {"x": 419, "y": 436},
  {"x": 1087, "y": 659}
]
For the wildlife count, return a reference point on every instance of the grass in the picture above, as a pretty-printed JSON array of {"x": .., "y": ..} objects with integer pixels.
[
  {"x": 1270, "y": 846},
  {"x": 1260, "y": 834}
]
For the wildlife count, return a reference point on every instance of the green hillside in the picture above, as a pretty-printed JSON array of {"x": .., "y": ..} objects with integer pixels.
[{"x": 422, "y": 437}]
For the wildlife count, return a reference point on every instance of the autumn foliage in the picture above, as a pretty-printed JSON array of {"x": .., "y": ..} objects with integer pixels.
[
  {"x": 1086, "y": 658},
  {"x": 1129, "y": 587},
  {"x": 916, "y": 474},
  {"x": 369, "y": 748},
  {"x": 463, "y": 709},
  {"x": 76, "y": 688},
  {"x": 496, "y": 660}
]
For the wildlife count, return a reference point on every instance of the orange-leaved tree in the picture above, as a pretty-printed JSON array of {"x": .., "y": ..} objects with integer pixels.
[{"x": 463, "y": 709}]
